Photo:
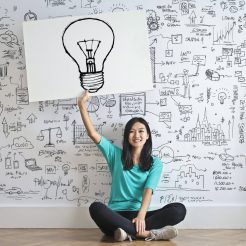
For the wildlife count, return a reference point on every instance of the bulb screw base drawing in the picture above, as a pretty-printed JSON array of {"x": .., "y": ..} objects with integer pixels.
[{"x": 92, "y": 81}]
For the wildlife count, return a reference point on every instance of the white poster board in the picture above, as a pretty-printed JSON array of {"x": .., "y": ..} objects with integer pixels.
[{"x": 105, "y": 54}]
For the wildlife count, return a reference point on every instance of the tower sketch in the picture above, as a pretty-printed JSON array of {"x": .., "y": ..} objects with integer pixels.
[{"x": 205, "y": 133}]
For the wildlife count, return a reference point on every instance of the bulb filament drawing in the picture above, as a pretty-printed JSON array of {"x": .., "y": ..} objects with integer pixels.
[
  {"x": 89, "y": 51},
  {"x": 88, "y": 42}
]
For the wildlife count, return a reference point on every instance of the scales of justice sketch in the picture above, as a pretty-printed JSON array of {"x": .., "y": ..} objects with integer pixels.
[{"x": 89, "y": 41}]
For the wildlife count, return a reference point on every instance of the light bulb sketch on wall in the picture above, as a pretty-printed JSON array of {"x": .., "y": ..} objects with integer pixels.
[
  {"x": 88, "y": 42},
  {"x": 221, "y": 97}
]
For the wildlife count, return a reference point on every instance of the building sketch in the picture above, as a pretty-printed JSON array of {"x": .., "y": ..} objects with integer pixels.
[
  {"x": 205, "y": 133},
  {"x": 188, "y": 177}
]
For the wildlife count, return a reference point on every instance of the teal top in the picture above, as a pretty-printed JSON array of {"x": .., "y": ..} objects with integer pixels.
[{"x": 128, "y": 185}]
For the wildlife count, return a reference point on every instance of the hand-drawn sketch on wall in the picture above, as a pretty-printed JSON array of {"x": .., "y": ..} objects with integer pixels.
[
  {"x": 30, "y": 16},
  {"x": 49, "y": 130},
  {"x": 110, "y": 51},
  {"x": 207, "y": 134},
  {"x": 187, "y": 177},
  {"x": 196, "y": 107},
  {"x": 95, "y": 38},
  {"x": 80, "y": 135}
]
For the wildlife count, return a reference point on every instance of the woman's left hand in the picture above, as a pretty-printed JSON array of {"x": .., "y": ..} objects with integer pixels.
[{"x": 140, "y": 224}]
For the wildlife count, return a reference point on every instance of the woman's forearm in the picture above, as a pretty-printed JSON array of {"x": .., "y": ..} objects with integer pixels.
[
  {"x": 145, "y": 202},
  {"x": 92, "y": 133}
]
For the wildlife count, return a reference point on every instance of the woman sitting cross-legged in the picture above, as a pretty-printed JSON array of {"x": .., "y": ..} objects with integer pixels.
[{"x": 135, "y": 175}]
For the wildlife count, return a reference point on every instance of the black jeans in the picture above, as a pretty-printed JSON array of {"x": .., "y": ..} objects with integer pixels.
[{"x": 108, "y": 220}]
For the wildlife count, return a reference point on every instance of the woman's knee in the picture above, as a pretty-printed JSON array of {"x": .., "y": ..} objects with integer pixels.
[
  {"x": 180, "y": 211},
  {"x": 95, "y": 207}
]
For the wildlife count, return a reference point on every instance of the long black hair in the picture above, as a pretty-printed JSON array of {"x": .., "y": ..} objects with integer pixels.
[{"x": 145, "y": 157}]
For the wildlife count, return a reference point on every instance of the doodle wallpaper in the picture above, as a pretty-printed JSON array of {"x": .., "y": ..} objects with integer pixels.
[{"x": 196, "y": 110}]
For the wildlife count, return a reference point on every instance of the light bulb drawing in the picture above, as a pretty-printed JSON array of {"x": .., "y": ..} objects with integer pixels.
[
  {"x": 66, "y": 168},
  {"x": 88, "y": 42},
  {"x": 221, "y": 97}
]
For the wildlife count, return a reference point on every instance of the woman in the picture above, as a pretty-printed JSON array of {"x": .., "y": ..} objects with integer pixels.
[{"x": 135, "y": 175}]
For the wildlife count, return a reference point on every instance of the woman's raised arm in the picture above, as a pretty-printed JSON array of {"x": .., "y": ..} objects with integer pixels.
[{"x": 82, "y": 103}]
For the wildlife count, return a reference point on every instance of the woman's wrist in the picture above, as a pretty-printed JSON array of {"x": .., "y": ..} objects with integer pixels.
[
  {"x": 142, "y": 214},
  {"x": 82, "y": 106}
]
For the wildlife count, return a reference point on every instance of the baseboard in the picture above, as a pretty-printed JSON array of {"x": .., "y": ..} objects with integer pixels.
[{"x": 233, "y": 217}]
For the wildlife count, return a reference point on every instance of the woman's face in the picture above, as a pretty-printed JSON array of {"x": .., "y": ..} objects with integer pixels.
[{"x": 138, "y": 135}]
